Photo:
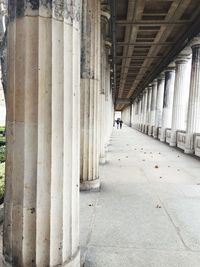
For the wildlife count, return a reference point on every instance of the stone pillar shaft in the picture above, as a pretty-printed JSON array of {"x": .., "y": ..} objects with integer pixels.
[
  {"x": 193, "y": 119},
  {"x": 105, "y": 16},
  {"x": 90, "y": 95},
  {"x": 159, "y": 102},
  {"x": 148, "y": 121},
  {"x": 153, "y": 107},
  {"x": 168, "y": 101},
  {"x": 144, "y": 109},
  {"x": 41, "y": 226},
  {"x": 159, "y": 105},
  {"x": 181, "y": 93}
]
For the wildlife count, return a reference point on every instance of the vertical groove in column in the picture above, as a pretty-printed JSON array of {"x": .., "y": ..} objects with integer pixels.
[{"x": 44, "y": 142}]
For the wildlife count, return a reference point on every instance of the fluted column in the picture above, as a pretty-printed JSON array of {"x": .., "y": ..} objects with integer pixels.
[
  {"x": 90, "y": 95},
  {"x": 159, "y": 105},
  {"x": 148, "y": 109},
  {"x": 145, "y": 97},
  {"x": 153, "y": 106},
  {"x": 193, "y": 118},
  {"x": 105, "y": 16},
  {"x": 168, "y": 101},
  {"x": 109, "y": 113},
  {"x": 181, "y": 94},
  {"x": 139, "y": 112},
  {"x": 41, "y": 226}
]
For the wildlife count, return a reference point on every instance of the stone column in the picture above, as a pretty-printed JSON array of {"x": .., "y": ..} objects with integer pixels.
[
  {"x": 181, "y": 94},
  {"x": 159, "y": 105},
  {"x": 105, "y": 16},
  {"x": 153, "y": 107},
  {"x": 90, "y": 95},
  {"x": 109, "y": 113},
  {"x": 140, "y": 112},
  {"x": 41, "y": 226},
  {"x": 145, "y": 97},
  {"x": 168, "y": 100},
  {"x": 148, "y": 109},
  {"x": 193, "y": 117}
]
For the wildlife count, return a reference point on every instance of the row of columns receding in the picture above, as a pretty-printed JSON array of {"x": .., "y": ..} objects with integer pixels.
[
  {"x": 169, "y": 108},
  {"x": 59, "y": 120}
]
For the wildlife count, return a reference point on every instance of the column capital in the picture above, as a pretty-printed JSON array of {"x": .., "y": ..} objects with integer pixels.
[
  {"x": 171, "y": 67},
  {"x": 195, "y": 41},
  {"x": 155, "y": 82},
  {"x": 105, "y": 13},
  {"x": 140, "y": 96},
  {"x": 184, "y": 55},
  {"x": 108, "y": 43},
  {"x": 161, "y": 76}
]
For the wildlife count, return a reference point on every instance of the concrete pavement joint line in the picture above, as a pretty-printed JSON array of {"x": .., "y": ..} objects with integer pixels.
[
  {"x": 168, "y": 215},
  {"x": 176, "y": 227},
  {"x": 91, "y": 226},
  {"x": 143, "y": 249},
  {"x": 170, "y": 218}
]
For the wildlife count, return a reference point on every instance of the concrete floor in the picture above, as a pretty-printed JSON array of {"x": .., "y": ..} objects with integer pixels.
[{"x": 147, "y": 213}]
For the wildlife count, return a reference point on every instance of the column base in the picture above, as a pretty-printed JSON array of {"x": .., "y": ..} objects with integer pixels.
[
  {"x": 189, "y": 151},
  {"x": 102, "y": 160},
  {"x": 93, "y": 185},
  {"x": 150, "y": 131},
  {"x": 73, "y": 262},
  {"x": 155, "y": 132},
  {"x": 172, "y": 144}
]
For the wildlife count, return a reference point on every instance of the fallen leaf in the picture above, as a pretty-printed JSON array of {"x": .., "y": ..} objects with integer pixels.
[{"x": 158, "y": 206}]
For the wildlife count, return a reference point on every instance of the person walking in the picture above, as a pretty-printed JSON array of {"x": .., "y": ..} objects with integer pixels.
[
  {"x": 118, "y": 122},
  {"x": 121, "y": 123}
]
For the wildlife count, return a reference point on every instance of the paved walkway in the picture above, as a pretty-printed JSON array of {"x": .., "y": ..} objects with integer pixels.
[{"x": 147, "y": 213}]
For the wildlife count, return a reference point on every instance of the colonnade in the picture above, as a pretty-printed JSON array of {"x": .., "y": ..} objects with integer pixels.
[
  {"x": 169, "y": 108},
  {"x": 59, "y": 120}
]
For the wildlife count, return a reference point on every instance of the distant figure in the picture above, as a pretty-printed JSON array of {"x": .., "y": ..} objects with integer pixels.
[{"x": 120, "y": 122}]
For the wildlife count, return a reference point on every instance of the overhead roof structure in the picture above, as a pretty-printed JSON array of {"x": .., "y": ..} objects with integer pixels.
[{"x": 147, "y": 34}]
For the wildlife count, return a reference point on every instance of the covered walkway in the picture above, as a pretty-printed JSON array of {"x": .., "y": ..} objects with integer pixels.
[{"x": 147, "y": 211}]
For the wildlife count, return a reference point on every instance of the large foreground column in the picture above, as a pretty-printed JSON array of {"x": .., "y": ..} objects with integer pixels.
[
  {"x": 90, "y": 95},
  {"x": 168, "y": 101},
  {"x": 159, "y": 105},
  {"x": 193, "y": 118},
  {"x": 181, "y": 93},
  {"x": 41, "y": 226}
]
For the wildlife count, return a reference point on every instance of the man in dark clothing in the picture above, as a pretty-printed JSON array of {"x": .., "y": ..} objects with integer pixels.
[{"x": 120, "y": 122}]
